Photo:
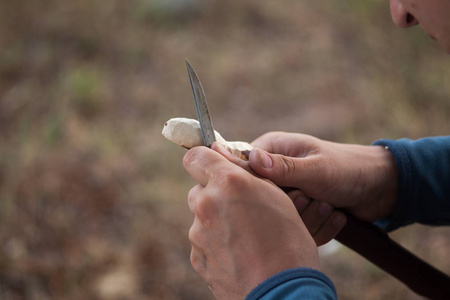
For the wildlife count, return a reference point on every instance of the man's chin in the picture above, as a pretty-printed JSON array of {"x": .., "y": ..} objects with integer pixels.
[{"x": 445, "y": 45}]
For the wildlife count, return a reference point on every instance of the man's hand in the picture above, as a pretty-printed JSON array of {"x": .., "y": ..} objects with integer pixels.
[
  {"x": 361, "y": 179},
  {"x": 245, "y": 229}
]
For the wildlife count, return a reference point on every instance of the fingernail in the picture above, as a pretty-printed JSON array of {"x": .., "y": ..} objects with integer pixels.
[
  {"x": 339, "y": 220},
  {"x": 325, "y": 209},
  {"x": 299, "y": 199},
  {"x": 266, "y": 161},
  {"x": 300, "y": 203}
]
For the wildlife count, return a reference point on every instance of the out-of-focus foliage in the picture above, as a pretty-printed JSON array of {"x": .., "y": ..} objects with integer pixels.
[{"x": 93, "y": 199}]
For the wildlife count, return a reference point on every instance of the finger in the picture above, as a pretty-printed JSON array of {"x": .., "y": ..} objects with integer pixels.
[
  {"x": 244, "y": 164},
  {"x": 315, "y": 215},
  {"x": 199, "y": 246},
  {"x": 286, "y": 170},
  {"x": 273, "y": 142},
  {"x": 299, "y": 199},
  {"x": 332, "y": 226},
  {"x": 203, "y": 163},
  {"x": 230, "y": 157},
  {"x": 193, "y": 196},
  {"x": 199, "y": 262},
  {"x": 286, "y": 143},
  {"x": 197, "y": 236}
]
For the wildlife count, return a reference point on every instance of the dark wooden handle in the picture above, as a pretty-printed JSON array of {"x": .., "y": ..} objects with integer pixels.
[{"x": 376, "y": 246}]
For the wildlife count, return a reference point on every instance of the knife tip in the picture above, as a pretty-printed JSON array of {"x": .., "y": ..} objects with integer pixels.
[{"x": 190, "y": 68}]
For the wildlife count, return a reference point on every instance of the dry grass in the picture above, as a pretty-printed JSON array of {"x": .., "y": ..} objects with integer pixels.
[{"x": 92, "y": 198}]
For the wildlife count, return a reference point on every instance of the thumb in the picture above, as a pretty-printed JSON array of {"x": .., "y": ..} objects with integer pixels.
[{"x": 284, "y": 171}]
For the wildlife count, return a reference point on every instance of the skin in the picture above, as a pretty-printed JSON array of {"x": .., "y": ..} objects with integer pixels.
[
  {"x": 247, "y": 229},
  {"x": 361, "y": 179},
  {"x": 243, "y": 225},
  {"x": 431, "y": 15}
]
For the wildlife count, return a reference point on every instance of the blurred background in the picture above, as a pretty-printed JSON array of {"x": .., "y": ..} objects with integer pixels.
[{"x": 93, "y": 198}]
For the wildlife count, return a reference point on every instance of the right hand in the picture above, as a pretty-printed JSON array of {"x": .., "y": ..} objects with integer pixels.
[
  {"x": 361, "y": 179},
  {"x": 245, "y": 228}
]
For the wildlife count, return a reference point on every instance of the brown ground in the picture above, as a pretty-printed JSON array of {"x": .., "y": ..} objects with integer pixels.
[{"x": 93, "y": 198}]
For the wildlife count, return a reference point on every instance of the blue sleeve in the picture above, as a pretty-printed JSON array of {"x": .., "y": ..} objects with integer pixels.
[
  {"x": 423, "y": 181},
  {"x": 299, "y": 283}
]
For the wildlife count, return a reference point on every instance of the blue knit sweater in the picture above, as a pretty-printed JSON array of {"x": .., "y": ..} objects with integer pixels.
[
  {"x": 423, "y": 196},
  {"x": 423, "y": 181}
]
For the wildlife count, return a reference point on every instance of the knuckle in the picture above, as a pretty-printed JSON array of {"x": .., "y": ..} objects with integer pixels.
[
  {"x": 194, "y": 235},
  {"x": 194, "y": 260},
  {"x": 288, "y": 166},
  {"x": 198, "y": 236},
  {"x": 197, "y": 262},
  {"x": 192, "y": 196},
  {"x": 234, "y": 183},
  {"x": 204, "y": 208},
  {"x": 231, "y": 179}
]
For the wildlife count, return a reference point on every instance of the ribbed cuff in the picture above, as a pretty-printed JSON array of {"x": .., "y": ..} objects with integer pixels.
[{"x": 287, "y": 276}]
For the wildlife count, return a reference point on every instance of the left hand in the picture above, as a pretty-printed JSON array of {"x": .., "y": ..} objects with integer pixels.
[
  {"x": 245, "y": 230},
  {"x": 323, "y": 221}
]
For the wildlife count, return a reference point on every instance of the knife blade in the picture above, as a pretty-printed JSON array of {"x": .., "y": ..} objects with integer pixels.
[{"x": 201, "y": 106}]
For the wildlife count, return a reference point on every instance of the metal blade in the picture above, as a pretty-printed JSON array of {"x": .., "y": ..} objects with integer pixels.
[{"x": 202, "y": 107}]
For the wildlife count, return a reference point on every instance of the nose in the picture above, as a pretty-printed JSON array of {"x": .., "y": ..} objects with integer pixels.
[{"x": 400, "y": 16}]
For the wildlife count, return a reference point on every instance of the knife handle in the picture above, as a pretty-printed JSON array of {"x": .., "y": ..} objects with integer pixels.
[{"x": 375, "y": 245}]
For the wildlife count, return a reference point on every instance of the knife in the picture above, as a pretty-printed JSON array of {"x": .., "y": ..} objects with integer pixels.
[
  {"x": 362, "y": 237},
  {"x": 201, "y": 105}
]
